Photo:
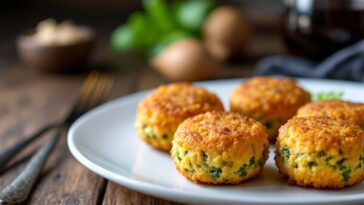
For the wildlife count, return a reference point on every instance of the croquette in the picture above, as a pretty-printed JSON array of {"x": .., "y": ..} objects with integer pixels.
[
  {"x": 336, "y": 109},
  {"x": 160, "y": 113},
  {"x": 270, "y": 100},
  {"x": 320, "y": 152},
  {"x": 220, "y": 148}
]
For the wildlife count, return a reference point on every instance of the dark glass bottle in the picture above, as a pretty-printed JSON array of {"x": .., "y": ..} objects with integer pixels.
[{"x": 317, "y": 28}]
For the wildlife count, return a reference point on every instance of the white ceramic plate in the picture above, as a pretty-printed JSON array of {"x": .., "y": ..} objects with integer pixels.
[{"x": 104, "y": 140}]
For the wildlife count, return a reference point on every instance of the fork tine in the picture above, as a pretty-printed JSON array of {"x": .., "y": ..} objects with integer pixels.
[
  {"x": 86, "y": 90},
  {"x": 95, "y": 89},
  {"x": 108, "y": 88},
  {"x": 104, "y": 89},
  {"x": 95, "y": 92},
  {"x": 94, "y": 98},
  {"x": 89, "y": 83}
]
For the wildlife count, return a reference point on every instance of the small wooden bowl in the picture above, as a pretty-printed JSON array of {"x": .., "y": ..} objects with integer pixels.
[{"x": 56, "y": 58}]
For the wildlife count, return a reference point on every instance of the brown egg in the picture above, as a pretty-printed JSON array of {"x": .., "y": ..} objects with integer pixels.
[
  {"x": 225, "y": 32},
  {"x": 185, "y": 59}
]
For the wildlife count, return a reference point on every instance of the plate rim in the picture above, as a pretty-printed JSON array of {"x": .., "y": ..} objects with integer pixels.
[{"x": 168, "y": 193}]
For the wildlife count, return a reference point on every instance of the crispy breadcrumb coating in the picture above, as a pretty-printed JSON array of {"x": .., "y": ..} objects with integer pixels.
[
  {"x": 270, "y": 100},
  {"x": 336, "y": 109},
  {"x": 320, "y": 152},
  {"x": 220, "y": 148},
  {"x": 160, "y": 113}
]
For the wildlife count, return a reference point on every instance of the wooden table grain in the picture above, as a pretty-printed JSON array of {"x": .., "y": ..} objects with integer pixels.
[{"x": 30, "y": 99}]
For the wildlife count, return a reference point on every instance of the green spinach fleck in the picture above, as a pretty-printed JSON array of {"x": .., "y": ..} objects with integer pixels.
[
  {"x": 192, "y": 169},
  {"x": 327, "y": 159},
  {"x": 215, "y": 172},
  {"x": 346, "y": 175},
  {"x": 252, "y": 161},
  {"x": 361, "y": 158},
  {"x": 177, "y": 155},
  {"x": 204, "y": 155},
  {"x": 285, "y": 153},
  {"x": 144, "y": 126},
  {"x": 361, "y": 161},
  {"x": 340, "y": 164},
  {"x": 312, "y": 164},
  {"x": 243, "y": 170},
  {"x": 165, "y": 136}
]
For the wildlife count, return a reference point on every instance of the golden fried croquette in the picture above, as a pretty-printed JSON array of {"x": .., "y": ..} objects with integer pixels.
[
  {"x": 270, "y": 100},
  {"x": 336, "y": 109},
  {"x": 321, "y": 152},
  {"x": 160, "y": 113},
  {"x": 220, "y": 148}
]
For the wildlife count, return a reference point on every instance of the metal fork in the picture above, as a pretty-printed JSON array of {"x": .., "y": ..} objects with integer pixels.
[
  {"x": 94, "y": 91},
  {"x": 11, "y": 152}
]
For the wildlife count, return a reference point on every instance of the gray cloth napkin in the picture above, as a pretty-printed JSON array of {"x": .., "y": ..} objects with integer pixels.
[{"x": 346, "y": 64}]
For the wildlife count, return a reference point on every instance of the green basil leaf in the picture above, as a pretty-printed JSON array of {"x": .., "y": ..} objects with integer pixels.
[
  {"x": 166, "y": 41},
  {"x": 122, "y": 39},
  {"x": 192, "y": 14}
]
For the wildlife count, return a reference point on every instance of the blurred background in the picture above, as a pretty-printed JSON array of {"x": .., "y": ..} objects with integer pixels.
[
  {"x": 105, "y": 16},
  {"x": 311, "y": 29},
  {"x": 143, "y": 44}
]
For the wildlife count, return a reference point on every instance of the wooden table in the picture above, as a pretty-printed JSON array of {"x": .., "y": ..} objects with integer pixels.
[{"x": 30, "y": 99}]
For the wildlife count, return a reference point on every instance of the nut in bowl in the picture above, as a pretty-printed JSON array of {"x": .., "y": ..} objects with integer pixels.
[{"x": 56, "y": 48}]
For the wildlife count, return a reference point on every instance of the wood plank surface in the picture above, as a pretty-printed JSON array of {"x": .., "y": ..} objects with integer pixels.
[
  {"x": 31, "y": 104},
  {"x": 29, "y": 100},
  {"x": 118, "y": 195}
]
